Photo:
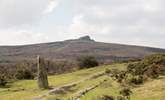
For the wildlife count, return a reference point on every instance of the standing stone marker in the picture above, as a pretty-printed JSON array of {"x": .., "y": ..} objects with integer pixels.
[{"x": 42, "y": 74}]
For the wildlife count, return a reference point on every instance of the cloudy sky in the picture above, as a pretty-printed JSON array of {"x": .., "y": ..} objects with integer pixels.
[{"x": 136, "y": 22}]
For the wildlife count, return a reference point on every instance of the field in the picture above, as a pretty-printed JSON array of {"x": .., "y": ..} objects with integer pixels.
[{"x": 27, "y": 89}]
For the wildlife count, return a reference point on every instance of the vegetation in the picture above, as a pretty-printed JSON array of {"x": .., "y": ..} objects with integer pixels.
[
  {"x": 27, "y": 89},
  {"x": 24, "y": 74},
  {"x": 87, "y": 62},
  {"x": 125, "y": 92},
  {"x": 152, "y": 66},
  {"x": 143, "y": 80},
  {"x": 3, "y": 81}
]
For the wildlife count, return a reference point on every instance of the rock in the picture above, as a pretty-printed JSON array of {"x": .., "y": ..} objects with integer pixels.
[
  {"x": 42, "y": 74},
  {"x": 85, "y": 38}
]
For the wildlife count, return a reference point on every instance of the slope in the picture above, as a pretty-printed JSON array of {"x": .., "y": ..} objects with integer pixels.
[{"x": 71, "y": 49}]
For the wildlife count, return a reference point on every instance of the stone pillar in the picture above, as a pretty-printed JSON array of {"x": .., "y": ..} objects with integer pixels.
[{"x": 42, "y": 74}]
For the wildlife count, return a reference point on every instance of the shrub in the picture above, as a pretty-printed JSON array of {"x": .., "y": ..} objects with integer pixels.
[
  {"x": 24, "y": 74},
  {"x": 126, "y": 92},
  {"x": 155, "y": 59},
  {"x": 137, "y": 68},
  {"x": 115, "y": 72},
  {"x": 3, "y": 80},
  {"x": 153, "y": 71},
  {"x": 87, "y": 62},
  {"x": 134, "y": 79},
  {"x": 107, "y": 71},
  {"x": 121, "y": 76}
]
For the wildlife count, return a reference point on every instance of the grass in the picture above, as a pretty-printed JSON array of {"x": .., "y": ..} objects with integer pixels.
[
  {"x": 73, "y": 91},
  {"x": 151, "y": 90},
  {"x": 27, "y": 89},
  {"x": 108, "y": 88}
]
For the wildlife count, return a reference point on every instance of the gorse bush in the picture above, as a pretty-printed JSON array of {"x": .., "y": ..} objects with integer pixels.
[
  {"x": 87, "y": 62},
  {"x": 134, "y": 79},
  {"x": 155, "y": 59},
  {"x": 138, "y": 72},
  {"x": 126, "y": 93},
  {"x": 153, "y": 71},
  {"x": 152, "y": 66}
]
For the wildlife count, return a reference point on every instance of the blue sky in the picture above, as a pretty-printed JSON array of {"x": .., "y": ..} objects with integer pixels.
[{"x": 136, "y": 22}]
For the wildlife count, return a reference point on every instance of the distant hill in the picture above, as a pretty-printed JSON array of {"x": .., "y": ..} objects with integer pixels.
[{"x": 71, "y": 49}]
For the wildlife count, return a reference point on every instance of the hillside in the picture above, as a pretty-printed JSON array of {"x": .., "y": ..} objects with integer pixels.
[
  {"x": 70, "y": 49},
  {"x": 28, "y": 90}
]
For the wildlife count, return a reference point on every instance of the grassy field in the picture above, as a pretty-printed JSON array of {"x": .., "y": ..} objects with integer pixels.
[{"x": 27, "y": 89}]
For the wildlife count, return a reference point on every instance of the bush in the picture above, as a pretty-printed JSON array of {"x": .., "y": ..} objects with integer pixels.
[
  {"x": 121, "y": 76},
  {"x": 155, "y": 59},
  {"x": 153, "y": 71},
  {"x": 3, "y": 80},
  {"x": 87, "y": 62},
  {"x": 107, "y": 71},
  {"x": 135, "y": 79},
  {"x": 24, "y": 74},
  {"x": 137, "y": 68},
  {"x": 126, "y": 92}
]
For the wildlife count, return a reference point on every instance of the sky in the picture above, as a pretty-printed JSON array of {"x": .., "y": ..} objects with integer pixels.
[{"x": 135, "y": 22}]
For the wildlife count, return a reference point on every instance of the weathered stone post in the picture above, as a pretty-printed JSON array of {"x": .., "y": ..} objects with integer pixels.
[{"x": 42, "y": 74}]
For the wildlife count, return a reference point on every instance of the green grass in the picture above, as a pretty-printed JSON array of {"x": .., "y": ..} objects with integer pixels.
[
  {"x": 27, "y": 89},
  {"x": 73, "y": 91},
  {"x": 151, "y": 90},
  {"x": 108, "y": 88}
]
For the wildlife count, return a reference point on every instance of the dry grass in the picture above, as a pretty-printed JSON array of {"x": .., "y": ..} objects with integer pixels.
[{"x": 152, "y": 90}]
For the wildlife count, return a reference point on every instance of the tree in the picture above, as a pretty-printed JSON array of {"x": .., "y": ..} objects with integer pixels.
[{"x": 87, "y": 62}]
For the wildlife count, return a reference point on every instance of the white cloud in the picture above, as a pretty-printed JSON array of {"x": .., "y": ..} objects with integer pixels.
[
  {"x": 21, "y": 36},
  {"x": 16, "y": 13},
  {"x": 51, "y": 6},
  {"x": 138, "y": 22}
]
